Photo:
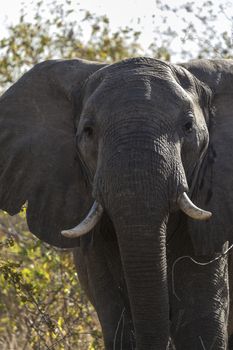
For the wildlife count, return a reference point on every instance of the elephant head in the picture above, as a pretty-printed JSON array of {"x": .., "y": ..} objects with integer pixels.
[{"x": 132, "y": 137}]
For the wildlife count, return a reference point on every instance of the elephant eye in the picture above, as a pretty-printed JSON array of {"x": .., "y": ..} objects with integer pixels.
[
  {"x": 88, "y": 130},
  {"x": 188, "y": 127}
]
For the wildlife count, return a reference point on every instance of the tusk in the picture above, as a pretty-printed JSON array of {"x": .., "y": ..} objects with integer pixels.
[
  {"x": 87, "y": 224},
  {"x": 187, "y": 206}
]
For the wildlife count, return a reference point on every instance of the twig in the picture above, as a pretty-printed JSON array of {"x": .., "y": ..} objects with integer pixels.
[{"x": 195, "y": 262}]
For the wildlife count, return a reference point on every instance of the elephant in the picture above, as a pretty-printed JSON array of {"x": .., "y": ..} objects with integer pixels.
[{"x": 110, "y": 159}]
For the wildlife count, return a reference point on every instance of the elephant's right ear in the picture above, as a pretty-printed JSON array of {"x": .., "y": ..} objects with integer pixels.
[
  {"x": 215, "y": 192},
  {"x": 38, "y": 158}
]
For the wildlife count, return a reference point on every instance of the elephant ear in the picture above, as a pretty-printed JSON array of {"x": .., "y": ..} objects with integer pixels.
[
  {"x": 38, "y": 158},
  {"x": 215, "y": 188}
]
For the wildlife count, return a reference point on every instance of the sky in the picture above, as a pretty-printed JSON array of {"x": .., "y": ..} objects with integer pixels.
[{"x": 120, "y": 12}]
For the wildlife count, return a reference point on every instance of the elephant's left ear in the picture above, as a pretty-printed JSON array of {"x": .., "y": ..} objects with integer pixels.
[
  {"x": 215, "y": 192},
  {"x": 38, "y": 158}
]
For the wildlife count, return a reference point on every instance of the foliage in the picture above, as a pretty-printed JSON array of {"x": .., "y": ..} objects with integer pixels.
[
  {"x": 60, "y": 35},
  {"x": 41, "y": 303},
  {"x": 188, "y": 29}
]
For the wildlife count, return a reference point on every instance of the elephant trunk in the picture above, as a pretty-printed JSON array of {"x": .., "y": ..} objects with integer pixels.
[
  {"x": 142, "y": 245},
  {"x": 137, "y": 202}
]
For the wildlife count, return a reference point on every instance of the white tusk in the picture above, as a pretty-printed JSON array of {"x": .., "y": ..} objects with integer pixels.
[
  {"x": 187, "y": 206},
  {"x": 87, "y": 224}
]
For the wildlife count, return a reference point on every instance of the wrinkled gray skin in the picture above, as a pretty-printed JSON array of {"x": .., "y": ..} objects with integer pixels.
[{"x": 146, "y": 131}]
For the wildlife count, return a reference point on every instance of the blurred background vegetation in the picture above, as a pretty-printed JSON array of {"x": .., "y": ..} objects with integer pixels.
[{"x": 41, "y": 303}]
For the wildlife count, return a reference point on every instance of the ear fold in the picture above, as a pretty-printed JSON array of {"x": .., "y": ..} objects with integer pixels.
[
  {"x": 215, "y": 188},
  {"x": 38, "y": 158}
]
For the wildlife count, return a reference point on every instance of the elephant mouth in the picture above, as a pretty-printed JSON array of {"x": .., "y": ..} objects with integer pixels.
[{"x": 95, "y": 213}]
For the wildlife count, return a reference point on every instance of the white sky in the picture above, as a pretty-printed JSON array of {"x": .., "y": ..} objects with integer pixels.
[{"x": 120, "y": 12}]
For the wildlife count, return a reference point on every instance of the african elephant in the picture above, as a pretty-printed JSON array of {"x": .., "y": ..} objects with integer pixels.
[{"x": 135, "y": 138}]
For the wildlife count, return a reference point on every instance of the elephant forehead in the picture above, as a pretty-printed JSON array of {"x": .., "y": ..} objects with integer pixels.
[
  {"x": 139, "y": 89},
  {"x": 149, "y": 88}
]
